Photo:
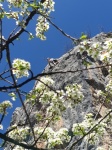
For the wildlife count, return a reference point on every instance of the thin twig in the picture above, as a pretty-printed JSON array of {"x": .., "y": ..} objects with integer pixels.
[
  {"x": 68, "y": 36},
  {"x": 4, "y": 79},
  {"x": 3, "y": 115},
  {"x": 43, "y": 131},
  {"x": 47, "y": 86}
]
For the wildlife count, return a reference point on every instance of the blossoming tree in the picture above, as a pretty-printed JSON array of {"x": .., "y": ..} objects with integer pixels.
[{"x": 22, "y": 11}]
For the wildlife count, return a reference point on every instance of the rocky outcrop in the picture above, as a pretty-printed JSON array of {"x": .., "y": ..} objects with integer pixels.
[{"x": 92, "y": 80}]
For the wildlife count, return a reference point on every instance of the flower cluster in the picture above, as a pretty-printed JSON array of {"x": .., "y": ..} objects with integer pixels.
[
  {"x": 106, "y": 54},
  {"x": 82, "y": 128},
  {"x": 45, "y": 81},
  {"x": 49, "y": 4},
  {"x": 19, "y": 134},
  {"x": 56, "y": 101},
  {"x": 4, "y": 105},
  {"x": 20, "y": 68},
  {"x": 98, "y": 50},
  {"x": 109, "y": 86},
  {"x": 41, "y": 27},
  {"x": 107, "y": 94},
  {"x": 93, "y": 49},
  {"x": 56, "y": 106},
  {"x": 53, "y": 138},
  {"x": 108, "y": 44},
  {"x": 20, "y": 10},
  {"x": 46, "y": 7},
  {"x": 108, "y": 91},
  {"x": 19, "y": 148},
  {"x": 63, "y": 134},
  {"x": 15, "y": 3},
  {"x": 17, "y": 10},
  {"x": 74, "y": 93},
  {"x": 47, "y": 133},
  {"x": 13, "y": 15}
]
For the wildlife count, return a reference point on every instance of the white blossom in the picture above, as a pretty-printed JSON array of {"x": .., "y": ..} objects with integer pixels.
[
  {"x": 45, "y": 81},
  {"x": 20, "y": 68},
  {"x": 100, "y": 148},
  {"x": 96, "y": 45},
  {"x": 49, "y": 4},
  {"x": 19, "y": 133},
  {"x": 99, "y": 93},
  {"x": 15, "y": 3},
  {"x": 104, "y": 56},
  {"x": 63, "y": 134},
  {"x": 19, "y": 148},
  {"x": 1, "y": 127},
  {"x": 54, "y": 142},
  {"x": 1, "y": 5},
  {"x": 4, "y": 105},
  {"x": 12, "y": 14},
  {"x": 41, "y": 27},
  {"x": 85, "y": 42},
  {"x": 108, "y": 44},
  {"x": 13, "y": 96}
]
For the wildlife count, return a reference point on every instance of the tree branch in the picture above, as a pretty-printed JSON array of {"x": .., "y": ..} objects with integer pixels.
[
  {"x": 49, "y": 73},
  {"x": 4, "y": 137},
  {"x": 19, "y": 95},
  {"x": 70, "y": 37}
]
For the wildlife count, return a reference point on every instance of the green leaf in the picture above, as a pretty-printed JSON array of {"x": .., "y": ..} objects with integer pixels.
[
  {"x": 83, "y": 36},
  {"x": 1, "y": 15},
  {"x": 31, "y": 36},
  {"x": 34, "y": 6}
]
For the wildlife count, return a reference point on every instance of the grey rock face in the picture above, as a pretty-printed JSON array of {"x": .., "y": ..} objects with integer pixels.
[{"x": 76, "y": 72}]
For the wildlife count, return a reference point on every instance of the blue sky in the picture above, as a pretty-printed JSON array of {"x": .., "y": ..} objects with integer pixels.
[{"x": 74, "y": 17}]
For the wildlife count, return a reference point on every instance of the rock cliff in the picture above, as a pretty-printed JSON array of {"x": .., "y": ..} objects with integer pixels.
[{"x": 91, "y": 80}]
